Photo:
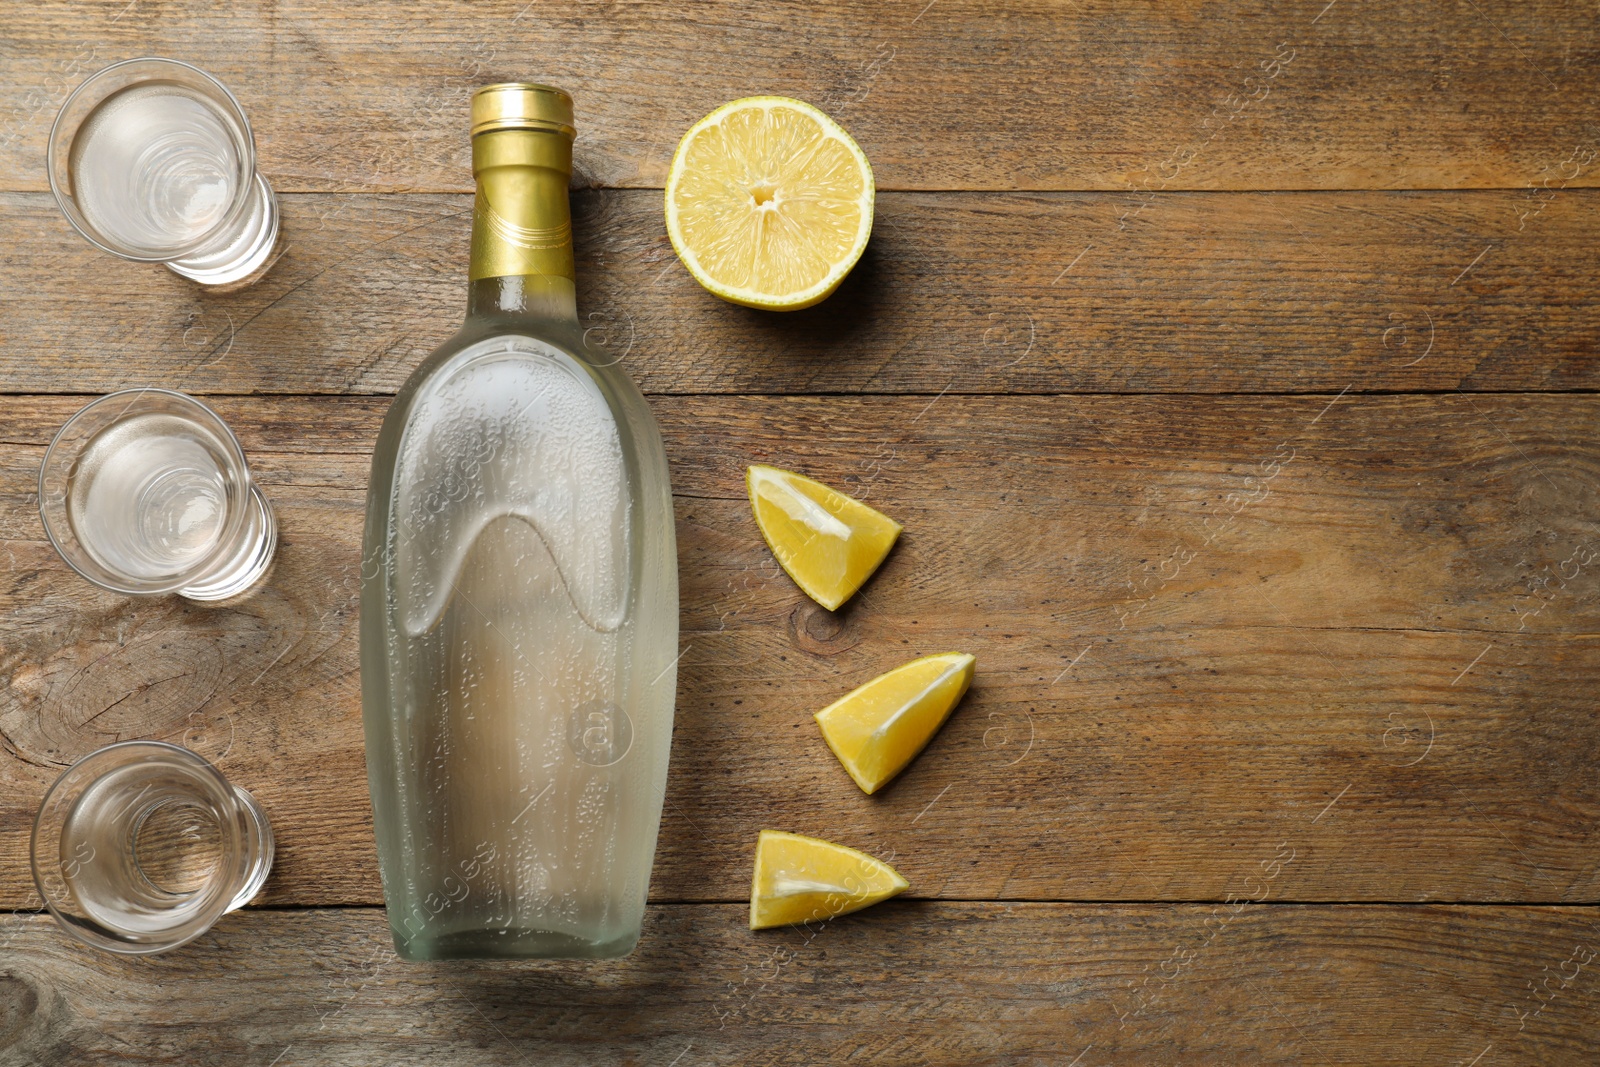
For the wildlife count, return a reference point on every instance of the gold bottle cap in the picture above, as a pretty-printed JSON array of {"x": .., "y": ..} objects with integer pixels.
[{"x": 521, "y": 106}]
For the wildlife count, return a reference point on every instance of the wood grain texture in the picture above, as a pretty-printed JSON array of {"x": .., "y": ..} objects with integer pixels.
[
  {"x": 1209, "y": 631},
  {"x": 1231, "y": 368},
  {"x": 903, "y": 983},
  {"x": 958, "y": 293},
  {"x": 958, "y": 94}
]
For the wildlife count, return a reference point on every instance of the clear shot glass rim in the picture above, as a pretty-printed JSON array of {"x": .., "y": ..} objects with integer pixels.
[
  {"x": 244, "y": 188},
  {"x": 220, "y": 896},
  {"x": 72, "y": 551}
]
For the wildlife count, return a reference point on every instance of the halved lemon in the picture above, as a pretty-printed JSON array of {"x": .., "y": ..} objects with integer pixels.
[
  {"x": 769, "y": 203},
  {"x": 801, "y": 879},
  {"x": 828, "y": 542},
  {"x": 879, "y": 728}
]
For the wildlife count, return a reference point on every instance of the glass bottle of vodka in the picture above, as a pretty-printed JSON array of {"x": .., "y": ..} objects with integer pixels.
[{"x": 519, "y": 603}]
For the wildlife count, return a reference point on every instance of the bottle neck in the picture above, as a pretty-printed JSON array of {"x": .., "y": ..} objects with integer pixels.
[{"x": 522, "y": 264}]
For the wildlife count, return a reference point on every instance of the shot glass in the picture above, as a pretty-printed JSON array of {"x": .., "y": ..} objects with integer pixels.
[
  {"x": 141, "y": 846},
  {"x": 146, "y": 492},
  {"x": 153, "y": 160}
]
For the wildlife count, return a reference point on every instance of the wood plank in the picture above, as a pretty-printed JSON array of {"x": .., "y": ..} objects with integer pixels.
[
  {"x": 907, "y": 982},
  {"x": 963, "y": 94},
  {"x": 959, "y": 293},
  {"x": 1209, "y": 631}
]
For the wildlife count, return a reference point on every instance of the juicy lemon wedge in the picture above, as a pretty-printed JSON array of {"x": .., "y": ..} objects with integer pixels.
[
  {"x": 878, "y": 729},
  {"x": 800, "y": 879},
  {"x": 828, "y": 542},
  {"x": 769, "y": 203}
]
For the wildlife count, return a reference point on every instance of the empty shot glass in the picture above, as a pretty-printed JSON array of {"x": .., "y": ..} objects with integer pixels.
[
  {"x": 153, "y": 160},
  {"x": 140, "y": 847},
  {"x": 147, "y": 492}
]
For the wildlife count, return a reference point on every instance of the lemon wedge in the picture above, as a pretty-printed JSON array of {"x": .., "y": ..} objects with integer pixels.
[
  {"x": 801, "y": 879},
  {"x": 769, "y": 203},
  {"x": 828, "y": 542},
  {"x": 879, "y": 728}
]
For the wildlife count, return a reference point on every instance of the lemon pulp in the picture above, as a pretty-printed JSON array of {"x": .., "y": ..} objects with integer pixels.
[
  {"x": 769, "y": 203},
  {"x": 828, "y": 542},
  {"x": 878, "y": 729},
  {"x": 802, "y": 879}
]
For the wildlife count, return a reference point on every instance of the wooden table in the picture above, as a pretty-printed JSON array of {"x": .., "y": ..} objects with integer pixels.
[{"x": 1232, "y": 370}]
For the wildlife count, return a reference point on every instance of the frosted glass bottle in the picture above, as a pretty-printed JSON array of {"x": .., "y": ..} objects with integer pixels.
[{"x": 519, "y": 603}]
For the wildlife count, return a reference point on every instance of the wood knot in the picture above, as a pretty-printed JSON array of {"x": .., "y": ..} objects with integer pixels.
[
  {"x": 815, "y": 629},
  {"x": 19, "y": 1004},
  {"x": 85, "y": 694}
]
